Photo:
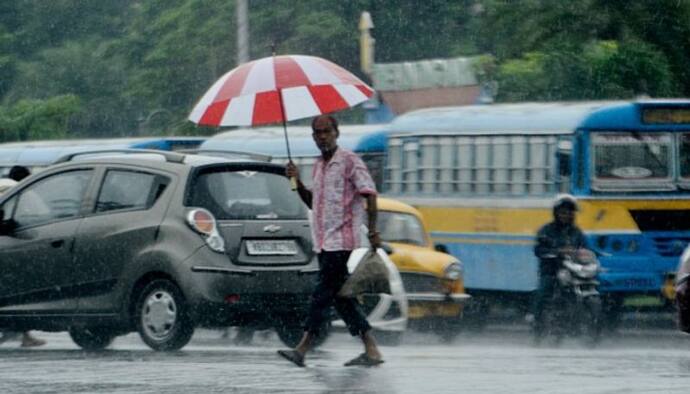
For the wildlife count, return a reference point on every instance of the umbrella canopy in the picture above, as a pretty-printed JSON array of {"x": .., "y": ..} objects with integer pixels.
[{"x": 278, "y": 89}]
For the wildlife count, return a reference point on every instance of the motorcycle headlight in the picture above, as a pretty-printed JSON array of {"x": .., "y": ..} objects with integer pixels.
[{"x": 453, "y": 271}]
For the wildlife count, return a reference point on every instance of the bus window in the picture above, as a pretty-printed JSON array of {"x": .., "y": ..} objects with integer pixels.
[
  {"x": 429, "y": 154},
  {"x": 563, "y": 157},
  {"x": 410, "y": 167},
  {"x": 465, "y": 153},
  {"x": 518, "y": 157},
  {"x": 394, "y": 167},
  {"x": 471, "y": 165},
  {"x": 499, "y": 164},
  {"x": 481, "y": 165},
  {"x": 446, "y": 165}
]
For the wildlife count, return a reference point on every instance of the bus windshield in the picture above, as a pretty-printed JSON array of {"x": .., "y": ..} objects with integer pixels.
[
  {"x": 685, "y": 157},
  {"x": 632, "y": 160}
]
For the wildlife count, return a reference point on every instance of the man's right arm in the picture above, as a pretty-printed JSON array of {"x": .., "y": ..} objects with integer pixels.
[{"x": 305, "y": 194}]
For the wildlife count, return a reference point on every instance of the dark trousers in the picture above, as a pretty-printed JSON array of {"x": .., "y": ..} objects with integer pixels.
[
  {"x": 332, "y": 276},
  {"x": 547, "y": 286}
]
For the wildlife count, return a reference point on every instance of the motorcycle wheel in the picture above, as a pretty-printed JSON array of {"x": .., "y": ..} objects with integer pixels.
[{"x": 592, "y": 319}]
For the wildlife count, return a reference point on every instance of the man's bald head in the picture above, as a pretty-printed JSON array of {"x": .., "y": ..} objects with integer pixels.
[{"x": 323, "y": 121}]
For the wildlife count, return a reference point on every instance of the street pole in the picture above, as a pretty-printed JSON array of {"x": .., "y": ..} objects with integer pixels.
[
  {"x": 242, "y": 31},
  {"x": 366, "y": 43}
]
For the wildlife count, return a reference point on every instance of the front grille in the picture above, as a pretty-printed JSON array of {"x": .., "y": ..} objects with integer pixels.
[
  {"x": 421, "y": 283},
  {"x": 670, "y": 246},
  {"x": 661, "y": 219}
]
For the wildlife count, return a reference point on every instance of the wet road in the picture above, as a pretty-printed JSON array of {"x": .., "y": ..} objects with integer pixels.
[{"x": 498, "y": 361}]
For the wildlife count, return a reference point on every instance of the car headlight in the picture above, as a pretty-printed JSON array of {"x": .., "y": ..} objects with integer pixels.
[{"x": 453, "y": 271}]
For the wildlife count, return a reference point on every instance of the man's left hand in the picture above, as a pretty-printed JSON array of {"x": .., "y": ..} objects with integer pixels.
[{"x": 374, "y": 240}]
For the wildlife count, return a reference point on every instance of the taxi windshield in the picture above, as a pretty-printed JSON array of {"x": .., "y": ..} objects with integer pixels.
[{"x": 400, "y": 228}]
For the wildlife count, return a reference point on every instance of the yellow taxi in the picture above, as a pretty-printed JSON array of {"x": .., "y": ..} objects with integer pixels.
[{"x": 433, "y": 280}]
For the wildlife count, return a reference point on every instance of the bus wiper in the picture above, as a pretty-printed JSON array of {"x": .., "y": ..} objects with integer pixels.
[{"x": 636, "y": 134}]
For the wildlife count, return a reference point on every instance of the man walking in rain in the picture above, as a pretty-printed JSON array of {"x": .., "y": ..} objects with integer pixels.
[{"x": 341, "y": 185}]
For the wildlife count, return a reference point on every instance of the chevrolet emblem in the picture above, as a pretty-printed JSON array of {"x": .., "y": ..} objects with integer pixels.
[{"x": 272, "y": 228}]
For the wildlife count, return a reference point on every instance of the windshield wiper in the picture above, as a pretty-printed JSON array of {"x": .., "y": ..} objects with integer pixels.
[{"x": 636, "y": 134}]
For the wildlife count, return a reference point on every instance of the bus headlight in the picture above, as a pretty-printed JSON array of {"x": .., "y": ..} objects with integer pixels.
[{"x": 632, "y": 246}]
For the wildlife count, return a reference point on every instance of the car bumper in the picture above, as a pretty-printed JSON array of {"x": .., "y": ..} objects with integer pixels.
[
  {"x": 228, "y": 296},
  {"x": 438, "y": 297}
]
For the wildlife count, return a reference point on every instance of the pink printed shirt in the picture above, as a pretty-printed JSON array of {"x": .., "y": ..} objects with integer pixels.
[{"x": 338, "y": 204}]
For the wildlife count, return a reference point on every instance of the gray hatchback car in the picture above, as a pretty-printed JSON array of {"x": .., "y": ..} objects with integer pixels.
[{"x": 155, "y": 242}]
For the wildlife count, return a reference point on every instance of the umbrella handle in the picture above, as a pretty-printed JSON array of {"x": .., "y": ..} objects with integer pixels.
[{"x": 293, "y": 183}]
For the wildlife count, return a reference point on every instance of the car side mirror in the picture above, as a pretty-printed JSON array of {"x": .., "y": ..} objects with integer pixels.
[{"x": 441, "y": 248}]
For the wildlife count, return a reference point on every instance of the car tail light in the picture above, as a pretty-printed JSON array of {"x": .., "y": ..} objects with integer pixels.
[
  {"x": 232, "y": 298},
  {"x": 203, "y": 222}
]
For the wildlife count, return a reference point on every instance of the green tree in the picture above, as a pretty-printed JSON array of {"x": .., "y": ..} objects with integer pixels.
[
  {"x": 84, "y": 69},
  {"x": 176, "y": 49},
  {"x": 38, "y": 119},
  {"x": 599, "y": 70}
]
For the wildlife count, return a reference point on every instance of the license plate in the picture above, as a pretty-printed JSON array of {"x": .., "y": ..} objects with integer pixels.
[{"x": 271, "y": 247}]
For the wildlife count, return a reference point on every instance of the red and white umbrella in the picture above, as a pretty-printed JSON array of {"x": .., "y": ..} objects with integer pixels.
[{"x": 279, "y": 89}]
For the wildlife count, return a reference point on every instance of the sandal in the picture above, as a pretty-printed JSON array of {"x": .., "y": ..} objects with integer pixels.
[
  {"x": 32, "y": 342},
  {"x": 363, "y": 360},
  {"x": 294, "y": 356}
]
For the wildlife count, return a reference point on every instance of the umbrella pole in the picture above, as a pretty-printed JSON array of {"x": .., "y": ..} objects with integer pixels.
[{"x": 293, "y": 180}]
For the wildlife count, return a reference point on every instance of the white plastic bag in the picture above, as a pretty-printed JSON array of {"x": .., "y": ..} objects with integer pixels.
[{"x": 370, "y": 276}]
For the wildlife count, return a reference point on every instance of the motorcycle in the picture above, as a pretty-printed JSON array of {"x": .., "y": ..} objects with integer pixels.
[{"x": 575, "y": 308}]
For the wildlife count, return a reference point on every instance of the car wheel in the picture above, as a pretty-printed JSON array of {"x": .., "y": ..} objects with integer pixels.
[
  {"x": 449, "y": 328},
  {"x": 162, "y": 315},
  {"x": 476, "y": 314},
  {"x": 92, "y": 338}
]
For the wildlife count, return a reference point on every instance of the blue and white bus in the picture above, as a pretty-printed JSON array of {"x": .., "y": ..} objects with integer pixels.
[
  {"x": 39, "y": 154},
  {"x": 485, "y": 177}
]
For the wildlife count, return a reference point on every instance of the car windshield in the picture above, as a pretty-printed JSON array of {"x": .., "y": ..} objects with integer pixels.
[
  {"x": 246, "y": 195},
  {"x": 632, "y": 157},
  {"x": 401, "y": 228}
]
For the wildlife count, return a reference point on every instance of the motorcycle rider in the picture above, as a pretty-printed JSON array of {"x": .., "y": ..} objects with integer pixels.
[{"x": 555, "y": 241}]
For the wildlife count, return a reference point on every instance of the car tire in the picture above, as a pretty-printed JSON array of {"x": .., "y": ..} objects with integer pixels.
[
  {"x": 449, "y": 328},
  {"x": 476, "y": 314},
  {"x": 92, "y": 338},
  {"x": 162, "y": 316}
]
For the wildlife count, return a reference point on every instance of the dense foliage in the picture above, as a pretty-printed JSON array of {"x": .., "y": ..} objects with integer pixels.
[{"x": 128, "y": 67}]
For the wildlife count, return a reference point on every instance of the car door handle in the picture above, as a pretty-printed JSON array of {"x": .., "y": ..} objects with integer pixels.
[{"x": 58, "y": 243}]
